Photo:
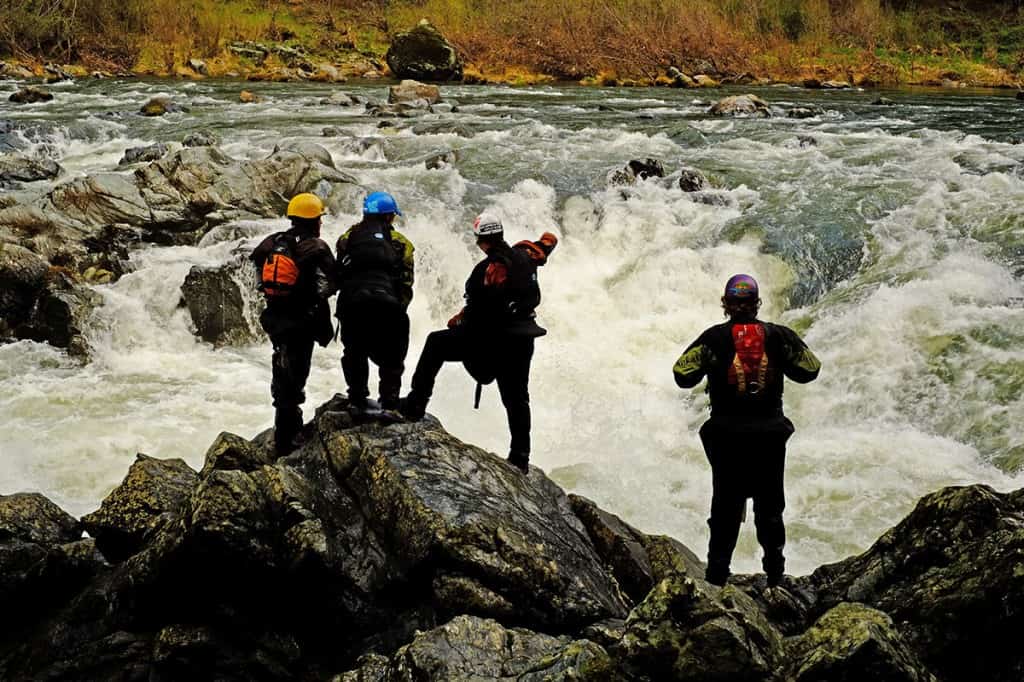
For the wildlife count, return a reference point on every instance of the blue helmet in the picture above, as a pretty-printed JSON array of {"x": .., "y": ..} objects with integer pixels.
[{"x": 378, "y": 203}]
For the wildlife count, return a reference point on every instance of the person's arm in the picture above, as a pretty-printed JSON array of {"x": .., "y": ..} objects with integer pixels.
[
  {"x": 406, "y": 268},
  {"x": 801, "y": 365},
  {"x": 693, "y": 364},
  {"x": 326, "y": 267}
]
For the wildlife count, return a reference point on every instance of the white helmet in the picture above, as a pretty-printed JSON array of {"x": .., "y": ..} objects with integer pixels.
[{"x": 486, "y": 225}]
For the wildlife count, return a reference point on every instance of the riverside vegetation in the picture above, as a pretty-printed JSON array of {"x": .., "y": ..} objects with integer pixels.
[{"x": 885, "y": 42}]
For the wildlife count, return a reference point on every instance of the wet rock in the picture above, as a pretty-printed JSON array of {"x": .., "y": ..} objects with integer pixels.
[
  {"x": 637, "y": 170},
  {"x": 443, "y": 160},
  {"x": 423, "y": 54},
  {"x": 56, "y": 74},
  {"x": 18, "y": 168},
  {"x": 883, "y": 102},
  {"x": 680, "y": 79},
  {"x": 199, "y": 66},
  {"x": 853, "y": 642},
  {"x": 150, "y": 496},
  {"x": 803, "y": 112},
  {"x": 30, "y": 517},
  {"x": 22, "y": 278},
  {"x": 951, "y": 574},
  {"x": 705, "y": 81},
  {"x": 835, "y": 85},
  {"x": 812, "y": 83},
  {"x": 687, "y": 629},
  {"x": 15, "y": 71},
  {"x": 328, "y": 73},
  {"x": 200, "y": 138},
  {"x": 61, "y": 314},
  {"x": 468, "y": 648},
  {"x": 332, "y": 131},
  {"x": 637, "y": 561},
  {"x": 30, "y": 95},
  {"x": 151, "y": 152},
  {"x": 1020, "y": 95},
  {"x": 692, "y": 180},
  {"x": 741, "y": 105},
  {"x": 411, "y": 92},
  {"x": 807, "y": 141},
  {"x": 217, "y": 303},
  {"x": 246, "y": 97},
  {"x": 234, "y": 453},
  {"x": 158, "y": 106}
]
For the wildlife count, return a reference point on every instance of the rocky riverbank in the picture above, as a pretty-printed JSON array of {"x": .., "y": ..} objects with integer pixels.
[{"x": 400, "y": 553}]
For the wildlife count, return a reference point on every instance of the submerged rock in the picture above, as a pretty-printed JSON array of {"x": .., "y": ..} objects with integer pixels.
[
  {"x": 741, "y": 105},
  {"x": 442, "y": 160},
  {"x": 803, "y": 112},
  {"x": 423, "y": 54}
]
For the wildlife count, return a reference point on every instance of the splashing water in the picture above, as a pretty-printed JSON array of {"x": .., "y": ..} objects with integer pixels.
[{"x": 892, "y": 241}]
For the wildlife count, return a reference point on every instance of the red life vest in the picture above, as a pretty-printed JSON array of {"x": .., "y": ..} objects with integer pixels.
[{"x": 749, "y": 368}]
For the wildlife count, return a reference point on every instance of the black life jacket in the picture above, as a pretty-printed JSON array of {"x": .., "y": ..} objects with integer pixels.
[{"x": 368, "y": 268}]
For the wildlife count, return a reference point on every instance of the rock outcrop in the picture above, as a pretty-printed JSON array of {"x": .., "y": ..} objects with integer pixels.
[
  {"x": 217, "y": 301},
  {"x": 15, "y": 168},
  {"x": 423, "y": 54},
  {"x": 386, "y": 552}
]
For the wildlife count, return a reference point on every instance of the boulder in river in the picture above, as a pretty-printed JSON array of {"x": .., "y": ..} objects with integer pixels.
[
  {"x": 30, "y": 95},
  {"x": 637, "y": 170},
  {"x": 1020, "y": 94},
  {"x": 741, "y": 105},
  {"x": 247, "y": 97},
  {"x": 803, "y": 112},
  {"x": 423, "y": 54},
  {"x": 158, "y": 106},
  {"x": 151, "y": 152},
  {"x": 692, "y": 180},
  {"x": 217, "y": 301},
  {"x": 883, "y": 102},
  {"x": 18, "y": 168},
  {"x": 200, "y": 138},
  {"x": 410, "y": 91}
]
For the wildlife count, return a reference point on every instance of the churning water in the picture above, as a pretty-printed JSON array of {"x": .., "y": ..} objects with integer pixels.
[{"x": 892, "y": 238}]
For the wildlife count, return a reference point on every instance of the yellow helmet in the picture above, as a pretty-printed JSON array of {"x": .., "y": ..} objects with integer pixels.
[{"x": 305, "y": 205}]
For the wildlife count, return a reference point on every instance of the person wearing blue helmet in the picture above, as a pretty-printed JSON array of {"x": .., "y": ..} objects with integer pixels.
[
  {"x": 745, "y": 361},
  {"x": 374, "y": 274}
]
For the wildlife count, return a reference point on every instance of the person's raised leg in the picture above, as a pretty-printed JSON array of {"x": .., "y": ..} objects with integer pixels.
[{"x": 442, "y": 346}]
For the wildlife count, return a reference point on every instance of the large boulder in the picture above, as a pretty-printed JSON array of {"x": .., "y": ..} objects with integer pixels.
[
  {"x": 470, "y": 648},
  {"x": 151, "y": 495},
  {"x": 636, "y": 169},
  {"x": 687, "y": 629},
  {"x": 151, "y": 152},
  {"x": 18, "y": 168},
  {"x": 853, "y": 642},
  {"x": 158, "y": 106},
  {"x": 219, "y": 301},
  {"x": 741, "y": 105},
  {"x": 423, "y": 54},
  {"x": 23, "y": 276},
  {"x": 30, "y": 95},
  {"x": 952, "y": 575}
]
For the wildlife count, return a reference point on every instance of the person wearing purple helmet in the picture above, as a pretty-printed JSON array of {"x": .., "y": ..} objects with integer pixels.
[{"x": 745, "y": 361}]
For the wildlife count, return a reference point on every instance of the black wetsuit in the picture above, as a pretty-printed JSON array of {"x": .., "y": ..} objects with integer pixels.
[
  {"x": 745, "y": 438},
  {"x": 493, "y": 337},
  {"x": 375, "y": 279},
  {"x": 294, "y": 323}
]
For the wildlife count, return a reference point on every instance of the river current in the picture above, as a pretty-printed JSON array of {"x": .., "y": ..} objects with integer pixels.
[{"x": 891, "y": 238}]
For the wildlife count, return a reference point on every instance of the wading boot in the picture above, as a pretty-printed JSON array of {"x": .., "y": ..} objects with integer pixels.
[
  {"x": 520, "y": 461},
  {"x": 412, "y": 407}
]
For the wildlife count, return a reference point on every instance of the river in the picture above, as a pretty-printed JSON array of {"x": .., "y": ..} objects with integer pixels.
[{"x": 891, "y": 238}]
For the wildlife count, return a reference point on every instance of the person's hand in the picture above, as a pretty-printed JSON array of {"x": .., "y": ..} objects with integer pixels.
[{"x": 456, "y": 320}]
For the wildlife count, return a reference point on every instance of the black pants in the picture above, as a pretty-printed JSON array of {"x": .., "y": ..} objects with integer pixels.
[
  {"x": 293, "y": 353},
  {"x": 746, "y": 462},
  {"x": 501, "y": 357},
  {"x": 378, "y": 335}
]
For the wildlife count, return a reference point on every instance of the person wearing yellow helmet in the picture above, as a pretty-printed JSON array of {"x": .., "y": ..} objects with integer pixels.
[{"x": 296, "y": 275}]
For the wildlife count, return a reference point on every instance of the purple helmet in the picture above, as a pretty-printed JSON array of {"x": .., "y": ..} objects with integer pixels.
[{"x": 741, "y": 288}]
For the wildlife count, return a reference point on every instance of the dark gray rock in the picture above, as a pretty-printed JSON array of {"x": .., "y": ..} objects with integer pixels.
[
  {"x": 423, "y": 54},
  {"x": 23, "y": 275},
  {"x": 200, "y": 138},
  {"x": 803, "y": 112},
  {"x": 158, "y": 106},
  {"x": 883, "y": 102},
  {"x": 339, "y": 99},
  {"x": 741, "y": 105},
  {"x": 30, "y": 95},
  {"x": 150, "y": 496},
  {"x": 807, "y": 140},
  {"x": 1020, "y": 95},
  {"x": 18, "y": 168},
  {"x": 637, "y": 170},
  {"x": 952, "y": 576},
  {"x": 853, "y": 642},
  {"x": 60, "y": 313},
  {"x": 217, "y": 301},
  {"x": 151, "y": 152},
  {"x": 692, "y": 180},
  {"x": 332, "y": 131}
]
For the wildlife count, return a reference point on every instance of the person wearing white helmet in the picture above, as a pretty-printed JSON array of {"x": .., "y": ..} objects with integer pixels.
[
  {"x": 296, "y": 274},
  {"x": 493, "y": 335}
]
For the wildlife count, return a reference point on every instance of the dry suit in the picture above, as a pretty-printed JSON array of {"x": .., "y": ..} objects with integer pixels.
[
  {"x": 295, "y": 322},
  {"x": 494, "y": 335},
  {"x": 745, "y": 437},
  {"x": 374, "y": 273}
]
